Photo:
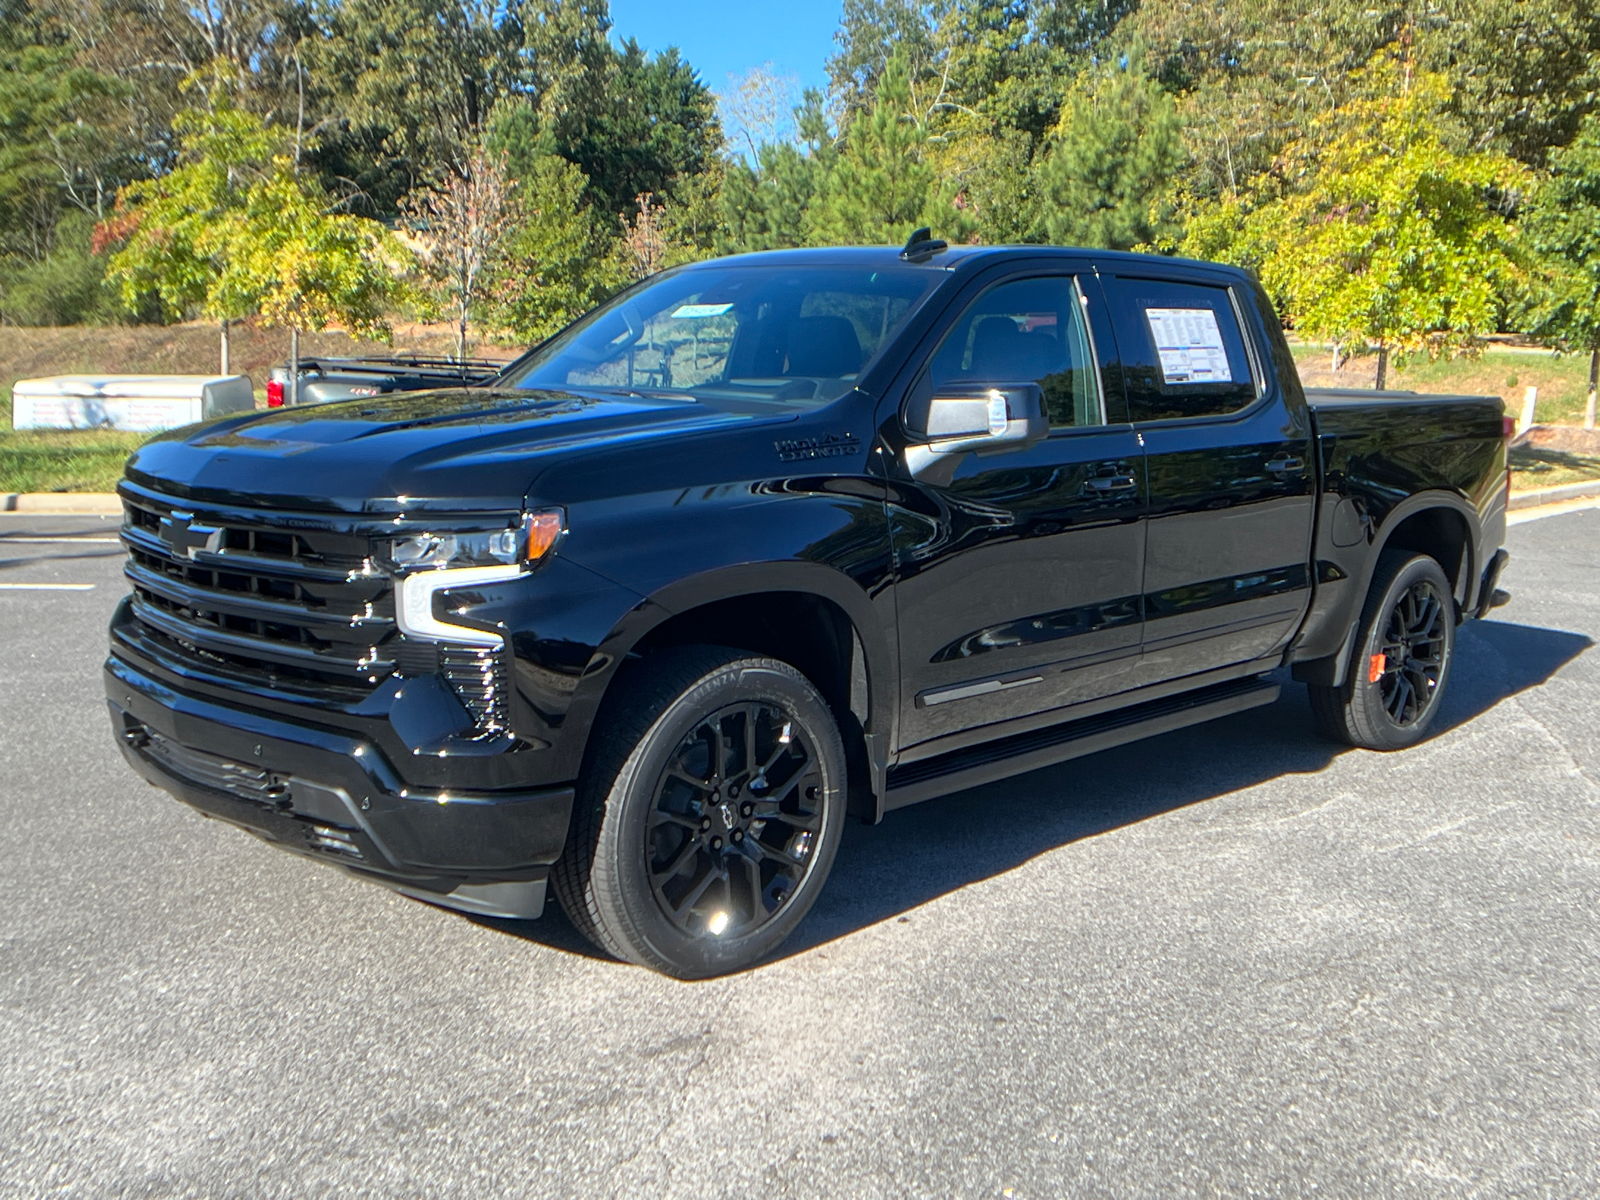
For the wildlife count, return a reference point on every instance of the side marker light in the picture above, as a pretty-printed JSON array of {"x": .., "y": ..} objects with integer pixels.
[{"x": 543, "y": 530}]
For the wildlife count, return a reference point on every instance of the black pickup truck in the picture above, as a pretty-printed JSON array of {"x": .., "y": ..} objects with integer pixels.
[{"x": 769, "y": 540}]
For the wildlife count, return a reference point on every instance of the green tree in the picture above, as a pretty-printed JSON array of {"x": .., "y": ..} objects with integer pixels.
[
  {"x": 1252, "y": 76},
  {"x": 647, "y": 125},
  {"x": 1564, "y": 228},
  {"x": 558, "y": 261},
  {"x": 412, "y": 82},
  {"x": 1390, "y": 237},
  {"x": 882, "y": 187},
  {"x": 64, "y": 152},
  {"x": 1116, "y": 150},
  {"x": 871, "y": 32},
  {"x": 170, "y": 231},
  {"x": 764, "y": 206}
]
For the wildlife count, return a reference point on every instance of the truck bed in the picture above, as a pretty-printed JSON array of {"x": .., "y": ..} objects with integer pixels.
[
  {"x": 1338, "y": 399},
  {"x": 1423, "y": 439}
]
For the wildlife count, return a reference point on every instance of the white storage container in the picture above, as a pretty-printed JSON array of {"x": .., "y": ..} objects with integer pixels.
[{"x": 136, "y": 403}]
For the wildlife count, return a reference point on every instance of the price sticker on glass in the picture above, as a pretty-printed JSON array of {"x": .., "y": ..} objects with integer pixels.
[{"x": 1190, "y": 345}]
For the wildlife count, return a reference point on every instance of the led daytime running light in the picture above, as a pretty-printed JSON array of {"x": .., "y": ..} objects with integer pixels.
[{"x": 435, "y": 562}]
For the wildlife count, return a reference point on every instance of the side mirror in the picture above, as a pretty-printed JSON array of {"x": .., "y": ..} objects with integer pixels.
[{"x": 972, "y": 418}]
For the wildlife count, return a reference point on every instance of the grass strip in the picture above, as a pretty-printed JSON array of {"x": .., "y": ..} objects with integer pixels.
[
  {"x": 88, "y": 460},
  {"x": 1542, "y": 467}
]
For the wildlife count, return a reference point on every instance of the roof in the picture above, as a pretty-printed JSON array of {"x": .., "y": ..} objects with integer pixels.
[{"x": 952, "y": 258}]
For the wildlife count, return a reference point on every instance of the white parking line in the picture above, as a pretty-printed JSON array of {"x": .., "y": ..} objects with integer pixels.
[
  {"x": 47, "y": 587},
  {"x": 62, "y": 541}
]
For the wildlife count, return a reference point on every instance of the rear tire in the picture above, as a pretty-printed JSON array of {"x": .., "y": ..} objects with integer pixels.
[
  {"x": 708, "y": 814},
  {"x": 1404, "y": 645}
]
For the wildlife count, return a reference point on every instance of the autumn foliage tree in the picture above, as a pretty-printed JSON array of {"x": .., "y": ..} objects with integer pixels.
[
  {"x": 464, "y": 220},
  {"x": 237, "y": 231},
  {"x": 1386, "y": 233},
  {"x": 170, "y": 236}
]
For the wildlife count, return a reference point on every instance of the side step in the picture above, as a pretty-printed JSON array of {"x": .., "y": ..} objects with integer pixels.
[{"x": 961, "y": 769}]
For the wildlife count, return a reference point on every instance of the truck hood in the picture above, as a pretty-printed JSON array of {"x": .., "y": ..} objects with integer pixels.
[{"x": 461, "y": 449}]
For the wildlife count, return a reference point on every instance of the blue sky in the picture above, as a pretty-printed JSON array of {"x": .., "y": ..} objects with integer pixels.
[{"x": 719, "y": 36}]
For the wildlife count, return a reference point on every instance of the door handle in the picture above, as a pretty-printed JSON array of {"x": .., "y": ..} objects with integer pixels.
[
  {"x": 1104, "y": 485},
  {"x": 1286, "y": 465}
]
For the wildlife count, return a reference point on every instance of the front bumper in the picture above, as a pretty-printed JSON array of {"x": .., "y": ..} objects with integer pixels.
[{"x": 335, "y": 798}]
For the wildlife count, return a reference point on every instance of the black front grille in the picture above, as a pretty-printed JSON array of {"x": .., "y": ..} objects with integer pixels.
[{"x": 289, "y": 599}]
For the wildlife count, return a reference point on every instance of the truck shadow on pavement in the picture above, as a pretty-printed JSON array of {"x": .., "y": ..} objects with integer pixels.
[{"x": 921, "y": 853}]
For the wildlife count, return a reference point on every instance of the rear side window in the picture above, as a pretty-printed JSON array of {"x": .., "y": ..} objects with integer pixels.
[{"x": 1182, "y": 352}]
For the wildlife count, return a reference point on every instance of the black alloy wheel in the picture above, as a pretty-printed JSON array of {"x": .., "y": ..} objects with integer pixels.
[
  {"x": 1408, "y": 666},
  {"x": 738, "y": 810},
  {"x": 708, "y": 813},
  {"x": 1400, "y": 663}
]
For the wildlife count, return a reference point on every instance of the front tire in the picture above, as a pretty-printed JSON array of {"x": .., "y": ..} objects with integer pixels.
[
  {"x": 708, "y": 815},
  {"x": 1404, "y": 646}
]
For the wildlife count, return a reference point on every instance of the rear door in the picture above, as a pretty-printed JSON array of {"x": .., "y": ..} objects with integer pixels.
[
  {"x": 1019, "y": 575},
  {"x": 1231, "y": 505}
]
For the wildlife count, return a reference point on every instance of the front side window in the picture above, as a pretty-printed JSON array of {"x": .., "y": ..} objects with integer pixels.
[
  {"x": 1182, "y": 351},
  {"x": 1025, "y": 331},
  {"x": 796, "y": 336}
]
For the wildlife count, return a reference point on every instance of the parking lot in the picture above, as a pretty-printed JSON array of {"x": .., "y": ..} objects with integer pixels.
[{"x": 1229, "y": 961}]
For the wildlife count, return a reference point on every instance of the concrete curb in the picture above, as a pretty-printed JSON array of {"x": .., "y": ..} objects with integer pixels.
[
  {"x": 103, "y": 504},
  {"x": 1553, "y": 495}
]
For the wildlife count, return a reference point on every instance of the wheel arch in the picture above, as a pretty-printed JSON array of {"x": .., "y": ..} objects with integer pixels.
[
  {"x": 1437, "y": 523},
  {"x": 808, "y": 615}
]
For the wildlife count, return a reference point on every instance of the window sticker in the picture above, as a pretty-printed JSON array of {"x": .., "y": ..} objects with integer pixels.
[
  {"x": 691, "y": 311},
  {"x": 1190, "y": 345}
]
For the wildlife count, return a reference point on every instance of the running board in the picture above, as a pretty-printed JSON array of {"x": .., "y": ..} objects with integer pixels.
[{"x": 962, "y": 769}]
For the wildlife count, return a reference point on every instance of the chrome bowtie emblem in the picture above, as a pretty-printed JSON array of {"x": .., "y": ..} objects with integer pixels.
[
  {"x": 727, "y": 815},
  {"x": 179, "y": 531}
]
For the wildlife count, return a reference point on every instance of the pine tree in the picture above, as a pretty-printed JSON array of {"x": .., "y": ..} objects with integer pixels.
[
  {"x": 882, "y": 187},
  {"x": 1117, "y": 148}
]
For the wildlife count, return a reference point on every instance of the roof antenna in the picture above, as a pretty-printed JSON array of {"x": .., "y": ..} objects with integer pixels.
[{"x": 922, "y": 245}]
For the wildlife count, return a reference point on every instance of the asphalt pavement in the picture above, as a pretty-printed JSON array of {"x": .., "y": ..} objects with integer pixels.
[{"x": 1232, "y": 961}]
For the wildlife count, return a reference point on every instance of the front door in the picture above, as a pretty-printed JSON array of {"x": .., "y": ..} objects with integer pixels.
[{"x": 1019, "y": 575}]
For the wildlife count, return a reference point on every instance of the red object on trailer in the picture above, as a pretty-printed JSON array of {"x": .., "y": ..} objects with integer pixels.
[{"x": 274, "y": 393}]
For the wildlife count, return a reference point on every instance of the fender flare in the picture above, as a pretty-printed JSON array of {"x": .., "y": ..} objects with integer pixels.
[
  {"x": 1423, "y": 502},
  {"x": 1411, "y": 506},
  {"x": 879, "y": 648}
]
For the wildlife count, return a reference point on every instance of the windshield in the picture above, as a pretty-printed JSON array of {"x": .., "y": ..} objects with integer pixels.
[{"x": 734, "y": 335}]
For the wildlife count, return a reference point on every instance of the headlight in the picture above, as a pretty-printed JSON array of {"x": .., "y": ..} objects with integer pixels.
[
  {"x": 430, "y": 563},
  {"x": 517, "y": 545}
]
